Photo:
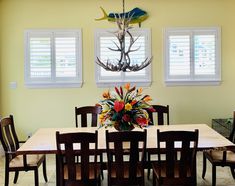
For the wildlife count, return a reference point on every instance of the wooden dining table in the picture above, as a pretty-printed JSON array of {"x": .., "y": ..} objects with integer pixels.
[{"x": 43, "y": 141}]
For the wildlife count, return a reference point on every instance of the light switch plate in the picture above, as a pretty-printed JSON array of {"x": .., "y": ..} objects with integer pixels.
[{"x": 13, "y": 85}]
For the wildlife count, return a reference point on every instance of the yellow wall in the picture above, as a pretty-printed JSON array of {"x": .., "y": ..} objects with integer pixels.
[
  {"x": 34, "y": 108},
  {"x": 0, "y": 53}
]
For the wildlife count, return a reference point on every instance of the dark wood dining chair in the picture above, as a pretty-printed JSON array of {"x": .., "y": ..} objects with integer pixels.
[
  {"x": 126, "y": 157},
  {"x": 161, "y": 116},
  {"x": 84, "y": 113},
  {"x": 223, "y": 157},
  {"x": 176, "y": 164},
  {"x": 162, "y": 113},
  {"x": 16, "y": 163},
  {"x": 87, "y": 171}
]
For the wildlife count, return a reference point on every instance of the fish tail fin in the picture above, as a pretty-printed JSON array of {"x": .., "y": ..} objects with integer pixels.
[{"x": 104, "y": 17}]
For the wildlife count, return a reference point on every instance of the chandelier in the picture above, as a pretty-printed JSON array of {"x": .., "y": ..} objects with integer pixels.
[{"x": 124, "y": 63}]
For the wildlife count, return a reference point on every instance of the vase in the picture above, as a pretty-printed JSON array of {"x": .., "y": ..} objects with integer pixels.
[{"x": 123, "y": 126}]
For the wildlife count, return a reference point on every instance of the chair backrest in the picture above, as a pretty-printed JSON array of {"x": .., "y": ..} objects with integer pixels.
[
  {"x": 180, "y": 148},
  {"x": 232, "y": 134},
  {"x": 160, "y": 111},
  {"x": 71, "y": 146},
  {"x": 126, "y": 156},
  {"x": 8, "y": 135},
  {"x": 84, "y": 113}
]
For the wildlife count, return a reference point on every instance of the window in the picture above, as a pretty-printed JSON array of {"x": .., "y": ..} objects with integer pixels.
[
  {"x": 53, "y": 58},
  {"x": 105, "y": 39},
  {"x": 192, "y": 56}
]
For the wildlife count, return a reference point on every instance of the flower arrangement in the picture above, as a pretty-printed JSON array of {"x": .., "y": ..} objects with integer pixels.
[{"x": 125, "y": 108}]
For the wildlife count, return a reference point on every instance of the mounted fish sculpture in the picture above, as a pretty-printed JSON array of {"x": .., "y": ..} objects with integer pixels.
[{"x": 136, "y": 16}]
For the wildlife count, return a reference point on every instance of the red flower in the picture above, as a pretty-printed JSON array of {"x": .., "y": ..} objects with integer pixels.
[
  {"x": 151, "y": 109},
  {"x": 142, "y": 121},
  {"x": 118, "y": 105},
  {"x": 126, "y": 118}
]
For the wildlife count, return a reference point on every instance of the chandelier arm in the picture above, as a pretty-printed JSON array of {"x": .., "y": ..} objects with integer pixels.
[
  {"x": 134, "y": 50},
  {"x": 144, "y": 64},
  {"x": 114, "y": 49}
]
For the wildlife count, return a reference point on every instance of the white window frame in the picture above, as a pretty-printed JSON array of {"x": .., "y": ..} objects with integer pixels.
[
  {"x": 144, "y": 81},
  {"x": 193, "y": 79},
  {"x": 53, "y": 82}
]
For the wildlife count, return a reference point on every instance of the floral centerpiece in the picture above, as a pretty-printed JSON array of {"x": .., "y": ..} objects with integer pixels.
[{"x": 125, "y": 108}]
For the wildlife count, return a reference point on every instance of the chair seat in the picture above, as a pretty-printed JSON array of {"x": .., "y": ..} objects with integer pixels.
[
  {"x": 126, "y": 171},
  {"x": 32, "y": 161},
  {"x": 78, "y": 172},
  {"x": 157, "y": 168},
  {"x": 217, "y": 156}
]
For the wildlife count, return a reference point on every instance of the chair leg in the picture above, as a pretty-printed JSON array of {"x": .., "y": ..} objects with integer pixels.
[
  {"x": 6, "y": 177},
  {"x": 204, "y": 166},
  {"x": 154, "y": 179},
  {"x": 148, "y": 161},
  {"x": 99, "y": 181},
  {"x": 36, "y": 177},
  {"x": 101, "y": 162},
  {"x": 44, "y": 170},
  {"x": 16, "y": 176},
  {"x": 213, "y": 175},
  {"x": 233, "y": 171}
]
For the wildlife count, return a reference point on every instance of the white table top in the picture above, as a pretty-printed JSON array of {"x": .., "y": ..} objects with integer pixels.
[{"x": 44, "y": 141}]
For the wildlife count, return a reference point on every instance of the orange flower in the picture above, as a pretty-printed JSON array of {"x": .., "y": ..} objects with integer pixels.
[
  {"x": 147, "y": 98},
  {"x": 106, "y": 95},
  {"x": 133, "y": 102},
  {"x": 127, "y": 86},
  {"x": 140, "y": 90}
]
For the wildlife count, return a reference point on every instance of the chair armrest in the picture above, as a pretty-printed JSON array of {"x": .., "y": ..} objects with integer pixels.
[
  {"x": 24, "y": 158},
  {"x": 22, "y": 141},
  {"x": 225, "y": 150},
  {"x": 10, "y": 152}
]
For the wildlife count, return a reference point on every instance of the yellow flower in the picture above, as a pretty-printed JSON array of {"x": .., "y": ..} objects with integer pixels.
[
  {"x": 128, "y": 106},
  {"x": 101, "y": 116},
  {"x": 105, "y": 108}
]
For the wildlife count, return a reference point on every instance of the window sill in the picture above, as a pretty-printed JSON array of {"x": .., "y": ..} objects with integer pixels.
[
  {"x": 105, "y": 84},
  {"x": 192, "y": 82},
  {"x": 54, "y": 85}
]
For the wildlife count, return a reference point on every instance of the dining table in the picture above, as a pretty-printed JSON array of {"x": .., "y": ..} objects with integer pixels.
[{"x": 43, "y": 141}]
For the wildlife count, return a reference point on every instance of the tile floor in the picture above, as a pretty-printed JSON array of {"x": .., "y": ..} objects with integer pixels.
[{"x": 224, "y": 177}]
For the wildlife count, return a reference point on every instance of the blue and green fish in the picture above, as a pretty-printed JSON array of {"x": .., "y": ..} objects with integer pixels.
[{"x": 137, "y": 16}]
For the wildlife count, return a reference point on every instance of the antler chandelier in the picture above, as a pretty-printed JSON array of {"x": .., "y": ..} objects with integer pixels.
[{"x": 124, "y": 63}]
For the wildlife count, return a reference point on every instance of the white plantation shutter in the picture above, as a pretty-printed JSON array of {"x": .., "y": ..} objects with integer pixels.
[
  {"x": 53, "y": 58},
  {"x": 40, "y": 57},
  {"x": 192, "y": 56},
  {"x": 205, "y": 54},
  {"x": 179, "y": 55},
  {"x": 65, "y": 54},
  {"x": 105, "y": 39}
]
